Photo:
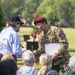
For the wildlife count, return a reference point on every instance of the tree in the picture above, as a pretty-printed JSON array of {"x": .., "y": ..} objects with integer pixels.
[
  {"x": 30, "y": 7},
  {"x": 53, "y": 10},
  {"x": 24, "y": 7},
  {"x": 46, "y": 9},
  {"x": 64, "y": 11},
  {"x": 2, "y": 21},
  {"x": 11, "y": 7}
]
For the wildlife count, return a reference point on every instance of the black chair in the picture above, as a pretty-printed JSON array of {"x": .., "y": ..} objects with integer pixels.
[{"x": 26, "y": 37}]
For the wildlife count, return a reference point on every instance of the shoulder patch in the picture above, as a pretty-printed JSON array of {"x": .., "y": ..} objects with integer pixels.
[{"x": 62, "y": 35}]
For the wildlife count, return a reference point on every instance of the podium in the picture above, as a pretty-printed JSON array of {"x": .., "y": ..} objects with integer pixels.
[{"x": 32, "y": 45}]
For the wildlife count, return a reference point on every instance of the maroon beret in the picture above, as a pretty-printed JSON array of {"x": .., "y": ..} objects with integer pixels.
[{"x": 39, "y": 19}]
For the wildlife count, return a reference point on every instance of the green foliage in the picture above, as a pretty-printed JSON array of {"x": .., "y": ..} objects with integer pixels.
[
  {"x": 24, "y": 7},
  {"x": 65, "y": 8},
  {"x": 2, "y": 21},
  {"x": 11, "y": 8},
  {"x": 30, "y": 7},
  {"x": 53, "y": 10},
  {"x": 46, "y": 9}
]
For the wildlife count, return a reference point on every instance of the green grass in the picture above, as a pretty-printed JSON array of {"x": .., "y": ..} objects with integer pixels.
[
  {"x": 25, "y": 31},
  {"x": 70, "y": 34}
]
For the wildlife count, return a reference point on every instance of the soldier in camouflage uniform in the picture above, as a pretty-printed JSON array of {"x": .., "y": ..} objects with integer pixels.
[{"x": 52, "y": 34}]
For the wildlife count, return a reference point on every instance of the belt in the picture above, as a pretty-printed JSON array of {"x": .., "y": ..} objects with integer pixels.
[{"x": 1, "y": 54}]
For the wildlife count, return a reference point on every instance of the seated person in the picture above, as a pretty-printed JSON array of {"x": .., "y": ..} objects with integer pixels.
[
  {"x": 9, "y": 64},
  {"x": 2, "y": 69},
  {"x": 71, "y": 65},
  {"x": 46, "y": 62},
  {"x": 28, "y": 61},
  {"x": 37, "y": 36},
  {"x": 31, "y": 38}
]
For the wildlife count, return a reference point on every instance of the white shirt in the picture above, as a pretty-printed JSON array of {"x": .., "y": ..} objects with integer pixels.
[{"x": 10, "y": 42}]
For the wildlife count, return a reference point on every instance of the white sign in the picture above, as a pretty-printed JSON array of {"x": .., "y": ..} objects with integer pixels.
[{"x": 52, "y": 48}]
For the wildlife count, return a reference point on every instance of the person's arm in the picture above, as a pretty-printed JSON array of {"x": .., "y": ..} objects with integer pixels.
[
  {"x": 61, "y": 37},
  {"x": 40, "y": 49},
  {"x": 63, "y": 42},
  {"x": 16, "y": 49}
]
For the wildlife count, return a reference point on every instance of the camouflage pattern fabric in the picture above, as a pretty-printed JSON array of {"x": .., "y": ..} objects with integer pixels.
[
  {"x": 52, "y": 72},
  {"x": 54, "y": 35}
]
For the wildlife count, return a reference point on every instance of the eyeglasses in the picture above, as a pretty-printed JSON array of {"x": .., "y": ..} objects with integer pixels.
[{"x": 19, "y": 23}]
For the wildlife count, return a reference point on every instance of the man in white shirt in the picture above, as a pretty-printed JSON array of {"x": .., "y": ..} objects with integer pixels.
[{"x": 9, "y": 39}]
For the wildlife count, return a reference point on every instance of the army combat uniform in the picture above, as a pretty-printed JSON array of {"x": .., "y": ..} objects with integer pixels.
[{"x": 55, "y": 35}]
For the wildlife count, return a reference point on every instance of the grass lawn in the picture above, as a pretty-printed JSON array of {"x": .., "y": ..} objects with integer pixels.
[{"x": 70, "y": 33}]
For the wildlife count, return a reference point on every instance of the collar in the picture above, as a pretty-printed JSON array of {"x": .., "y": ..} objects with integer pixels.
[{"x": 12, "y": 28}]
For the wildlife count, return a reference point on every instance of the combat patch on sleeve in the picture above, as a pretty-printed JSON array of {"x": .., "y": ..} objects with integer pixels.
[{"x": 62, "y": 35}]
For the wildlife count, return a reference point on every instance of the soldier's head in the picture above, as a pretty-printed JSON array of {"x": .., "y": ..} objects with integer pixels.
[
  {"x": 40, "y": 23},
  {"x": 15, "y": 22}
]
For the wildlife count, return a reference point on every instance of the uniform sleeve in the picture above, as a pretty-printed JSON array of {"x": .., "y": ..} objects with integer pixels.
[
  {"x": 63, "y": 42},
  {"x": 40, "y": 49},
  {"x": 41, "y": 43}
]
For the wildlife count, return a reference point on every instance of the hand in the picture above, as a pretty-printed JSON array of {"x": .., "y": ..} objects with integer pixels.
[
  {"x": 54, "y": 56},
  {"x": 37, "y": 52},
  {"x": 34, "y": 51}
]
